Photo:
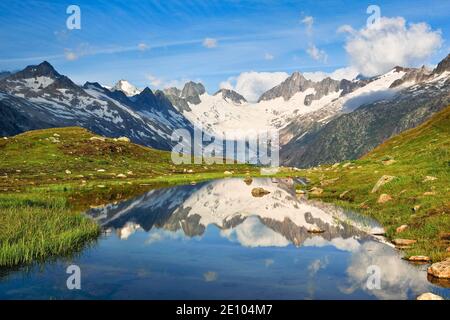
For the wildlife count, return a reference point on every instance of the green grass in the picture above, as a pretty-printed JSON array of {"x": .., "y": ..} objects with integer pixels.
[
  {"x": 419, "y": 152},
  {"x": 33, "y": 229}
]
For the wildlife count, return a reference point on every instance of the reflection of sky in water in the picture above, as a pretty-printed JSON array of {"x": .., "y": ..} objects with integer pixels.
[{"x": 206, "y": 247}]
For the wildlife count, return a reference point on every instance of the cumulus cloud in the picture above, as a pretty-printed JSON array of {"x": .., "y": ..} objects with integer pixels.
[
  {"x": 253, "y": 84},
  {"x": 210, "y": 43},
  {"x": 308, "y": 21},
  {"x": 348, "y": 73},
  {"x": 316, "y": 53},
  {"x": 379, "y": 47}
]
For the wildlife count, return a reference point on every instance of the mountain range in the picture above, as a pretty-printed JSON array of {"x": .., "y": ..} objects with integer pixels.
[{"x": 322, "y": 121}]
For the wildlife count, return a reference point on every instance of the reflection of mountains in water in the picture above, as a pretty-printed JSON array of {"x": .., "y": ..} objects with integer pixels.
[{"x": 278, "y": 218}]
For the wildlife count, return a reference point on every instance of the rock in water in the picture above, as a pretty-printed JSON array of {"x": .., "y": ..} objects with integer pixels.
[
  {"x": 419, "y": 259},
  {"x": 381, "y": 182},
  {"x": 429, "y": 296},
  {"x": 259, "y": 192},
  {"x": 440, "y": 269},
  {"x": 315, "y": 230},
  {"x": 248, "y": 180}
]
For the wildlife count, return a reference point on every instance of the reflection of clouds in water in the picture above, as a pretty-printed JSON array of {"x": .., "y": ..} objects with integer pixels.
[
  {"x": 210, "y": 276},
  {"x": 313, "y": 268},
  {"x": 157, "y": 235},
  {"x": 316, "y": 265},
  {"x": 397, "y": 275},
  {"x": 253, "y": 233},
  {"x": 349, "y": 244},
  {"x": 125, "y": 232}
]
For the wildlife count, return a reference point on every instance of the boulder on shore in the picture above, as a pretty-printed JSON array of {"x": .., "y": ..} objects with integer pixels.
[
  {"x": 429, "y": 296},
  {"x": 402, "y": 228},
  {"x": 381, "y": 182},
  {"x": 316, "y": 191},
  {"x": 440, "y": 269},
  {"x": 123, "y": 139},
  {"x": 384, "y": 198},
  {"x": 403, "y": 242}
]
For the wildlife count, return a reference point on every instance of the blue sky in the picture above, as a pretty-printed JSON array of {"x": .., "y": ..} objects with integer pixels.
[{"x": 158, "y": 43}]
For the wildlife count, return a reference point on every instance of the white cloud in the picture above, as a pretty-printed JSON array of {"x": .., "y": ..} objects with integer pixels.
[
  {"x": 142, "y": 46},
  {"x": 253, "y": 233},
  {"x": 154, "y": 81},
  {"x": 70, "y": 55},
  {"x": 379, "y": 47},
  {"x": 161, "y": 83},
  {"x": 268, "y": 56},
  {"x": 316, "y": 53},
  {"x": 308, "y": 21},
  {"x": 252, "y": 84},
  {"x": 348, "y": 73},
  {"x": 210, "y": 43}
]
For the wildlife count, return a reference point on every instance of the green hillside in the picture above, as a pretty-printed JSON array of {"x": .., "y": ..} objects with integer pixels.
[
  {"x": 419, "y": 159},
  {"x": 72, "y": 154}
]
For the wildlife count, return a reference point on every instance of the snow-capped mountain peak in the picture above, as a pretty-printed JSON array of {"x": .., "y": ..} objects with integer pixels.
[
  {"x": 126, "y": 87},
  {"x": 231, "y": 95}
]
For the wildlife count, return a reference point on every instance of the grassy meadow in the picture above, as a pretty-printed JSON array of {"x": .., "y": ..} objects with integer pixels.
[{"x": 419, "y": 159}]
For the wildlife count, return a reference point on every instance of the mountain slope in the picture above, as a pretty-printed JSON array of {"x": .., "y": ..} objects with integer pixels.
[
  {"x": 353, "y": 134},
  {"x": 127, "y": 88},
  {"x": 293, "y": 107},
  {"x": 418, "y": 159},
  {"x": 41, "y": 97}
]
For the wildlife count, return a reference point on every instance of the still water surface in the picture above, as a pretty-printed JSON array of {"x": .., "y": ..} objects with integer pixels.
[{"x": 214, "y": 240}]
